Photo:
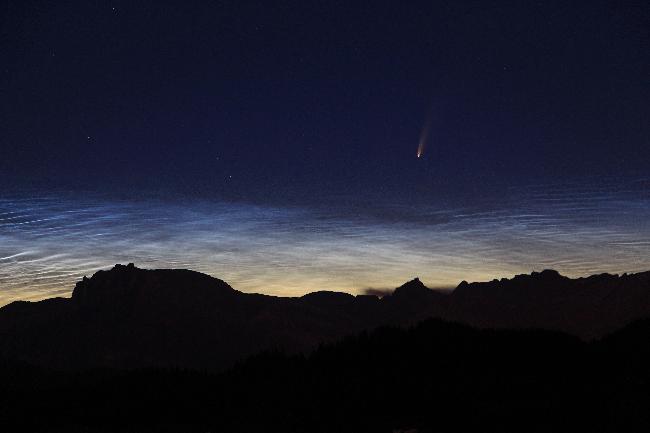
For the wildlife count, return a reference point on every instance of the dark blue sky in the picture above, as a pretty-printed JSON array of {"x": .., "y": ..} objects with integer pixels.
[
  {"x": 273, "y": 144},
  {"x": 280, "y": 98}
]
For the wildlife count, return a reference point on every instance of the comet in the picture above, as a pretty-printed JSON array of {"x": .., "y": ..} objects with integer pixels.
[{"x": 424, "y": 135}]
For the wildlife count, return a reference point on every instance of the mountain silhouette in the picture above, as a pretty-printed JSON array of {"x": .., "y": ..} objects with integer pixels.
[
  {"x": 129, "y": 317},
  {"x": 435, "y": 376}
]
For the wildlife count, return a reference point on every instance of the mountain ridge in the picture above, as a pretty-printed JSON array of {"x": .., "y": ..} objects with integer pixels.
[{"x": 132, "y": 317}]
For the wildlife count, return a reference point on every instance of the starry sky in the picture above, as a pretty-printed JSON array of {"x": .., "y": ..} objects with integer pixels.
[{"x": 273, "y": 144}]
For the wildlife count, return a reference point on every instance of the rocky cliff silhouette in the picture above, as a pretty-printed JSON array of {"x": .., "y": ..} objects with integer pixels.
[{"x": 129, "y": 317}]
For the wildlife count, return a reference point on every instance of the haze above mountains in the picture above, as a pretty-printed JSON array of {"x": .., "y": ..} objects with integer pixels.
[{"x": 129, "y": 317}]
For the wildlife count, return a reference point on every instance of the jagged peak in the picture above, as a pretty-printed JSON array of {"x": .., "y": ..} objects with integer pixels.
[{"x": 411, "y": 287}]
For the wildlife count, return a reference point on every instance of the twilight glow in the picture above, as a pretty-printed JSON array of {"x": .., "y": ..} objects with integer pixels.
[{"x": 48, "y": 243}]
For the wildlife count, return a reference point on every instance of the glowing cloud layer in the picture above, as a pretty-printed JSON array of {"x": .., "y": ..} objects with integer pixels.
[{"x": 48, "y": 243}]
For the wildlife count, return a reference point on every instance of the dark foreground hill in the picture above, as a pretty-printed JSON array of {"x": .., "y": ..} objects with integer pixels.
[
  {"x": 434, "y": 377},
  {"x": 128, "y": 317}
]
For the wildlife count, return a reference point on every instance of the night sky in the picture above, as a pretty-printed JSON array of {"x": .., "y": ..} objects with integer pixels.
[{"x": 273, "y": 144}]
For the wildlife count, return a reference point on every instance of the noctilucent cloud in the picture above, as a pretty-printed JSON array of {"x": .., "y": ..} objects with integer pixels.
[{"x": 50, "y": 241}]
